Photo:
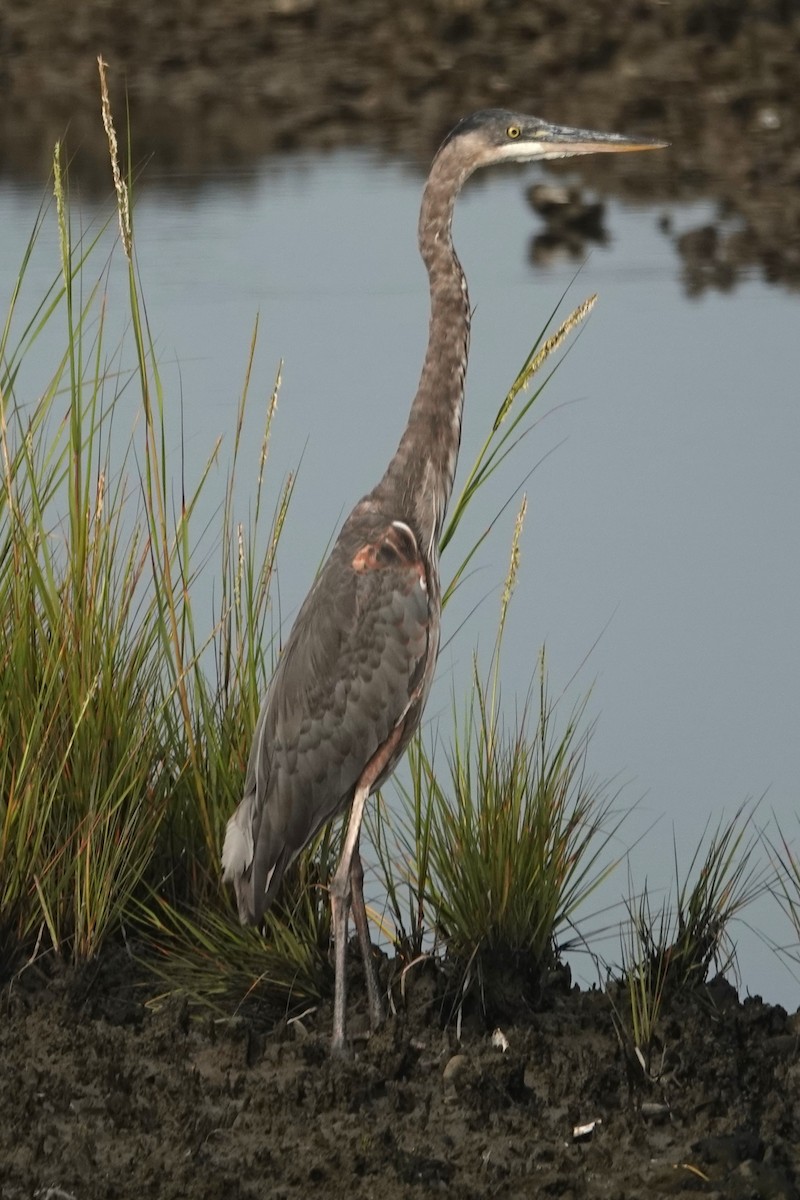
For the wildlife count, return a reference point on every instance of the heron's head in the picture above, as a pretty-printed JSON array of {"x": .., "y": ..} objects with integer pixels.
[{"x": 496, "y": 135}]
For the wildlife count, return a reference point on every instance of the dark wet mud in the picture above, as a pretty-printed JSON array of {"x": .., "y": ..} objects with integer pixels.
[
  {"x": 106, "y": 1093},
  {"x": 220, "y": 85}
]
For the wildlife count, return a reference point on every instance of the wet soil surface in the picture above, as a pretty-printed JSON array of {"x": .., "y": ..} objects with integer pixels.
[
  {"x": 219, "y": 85},
  {"x": 104, "y": 1093}
]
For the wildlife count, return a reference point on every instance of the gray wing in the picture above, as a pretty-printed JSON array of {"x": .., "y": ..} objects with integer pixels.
[{"x": 357, "y": 663}]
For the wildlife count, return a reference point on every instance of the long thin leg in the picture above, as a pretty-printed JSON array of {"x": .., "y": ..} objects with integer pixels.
[
  {"x": 340, "y": 907},
  {"x": 362, "y": 928}
]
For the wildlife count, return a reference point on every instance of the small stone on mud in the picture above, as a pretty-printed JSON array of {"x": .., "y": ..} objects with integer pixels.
[
  {"x": 454, "y": 1068},
  {"x": 653, "y": 1111}
]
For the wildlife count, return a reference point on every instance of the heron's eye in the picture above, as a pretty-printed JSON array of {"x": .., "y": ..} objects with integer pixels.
[{"x": 513, "y": 131}]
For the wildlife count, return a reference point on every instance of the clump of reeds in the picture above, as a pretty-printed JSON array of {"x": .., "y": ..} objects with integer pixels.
[
  {"x": 785, "y": 888},
  {"x": 85, "y": 773},
  {"x": 670, "y": 950},
  {"x": 121, "y": 754},
  {"x": 516, "y": 837}
]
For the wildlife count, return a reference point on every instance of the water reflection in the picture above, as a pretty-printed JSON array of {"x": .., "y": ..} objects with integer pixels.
[
  {"x": 654, "y": 562},
  {"x": 572, "y": 220}
]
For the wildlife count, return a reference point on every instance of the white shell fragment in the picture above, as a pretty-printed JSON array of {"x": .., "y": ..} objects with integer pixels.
[
  {"x": 582, "y": 1133},
  {"x": 499, "y": 1040}
]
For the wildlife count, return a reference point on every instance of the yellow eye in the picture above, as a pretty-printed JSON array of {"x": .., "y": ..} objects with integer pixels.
[{"x": 513, "y": 131}]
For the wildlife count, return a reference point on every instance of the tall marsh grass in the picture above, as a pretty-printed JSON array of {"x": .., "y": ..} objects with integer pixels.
[
  {"x": 670, "y": 949},
  {"x": 496, "y": 849},
  {"x": 119, "y": 754}
]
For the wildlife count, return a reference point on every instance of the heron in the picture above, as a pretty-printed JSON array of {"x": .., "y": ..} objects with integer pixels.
[{"x": 351, "y": 683}]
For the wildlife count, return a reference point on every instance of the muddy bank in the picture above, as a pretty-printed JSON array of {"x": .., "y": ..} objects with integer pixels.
[
  {"x": 106, "y": 1093},
  {"x": 222, "y": 85}
]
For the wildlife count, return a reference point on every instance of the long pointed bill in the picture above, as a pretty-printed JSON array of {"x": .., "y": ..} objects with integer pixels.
[{"x": 559, "y": 141}]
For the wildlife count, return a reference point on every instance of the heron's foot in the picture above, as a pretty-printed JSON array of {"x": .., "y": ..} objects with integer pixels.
[
  {"x": 339, "y": 1047},
  {"x": 346, "y": 1048}
]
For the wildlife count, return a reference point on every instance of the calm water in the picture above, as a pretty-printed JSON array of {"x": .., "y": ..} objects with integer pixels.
[{"x": 659, "y": 558}]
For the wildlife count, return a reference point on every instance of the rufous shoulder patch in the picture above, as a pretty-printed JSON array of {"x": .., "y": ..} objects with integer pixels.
[{"x": 395, "y": 546}]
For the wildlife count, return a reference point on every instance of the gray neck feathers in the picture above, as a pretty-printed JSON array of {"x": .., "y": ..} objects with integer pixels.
[{"x": 419, "y": 479}]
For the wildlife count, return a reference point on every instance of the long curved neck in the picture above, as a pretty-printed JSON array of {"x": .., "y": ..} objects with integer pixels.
[{"x": 419, "y": 479}]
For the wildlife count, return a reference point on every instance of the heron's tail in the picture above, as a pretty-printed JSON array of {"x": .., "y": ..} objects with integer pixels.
[{"x": 237, "y": 859}]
